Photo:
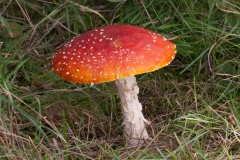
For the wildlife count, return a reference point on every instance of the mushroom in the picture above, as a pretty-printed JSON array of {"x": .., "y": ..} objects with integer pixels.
[{"x": 116, "y": 53}]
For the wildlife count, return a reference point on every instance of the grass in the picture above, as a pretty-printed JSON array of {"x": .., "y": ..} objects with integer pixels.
[{"x": 193, "y": 104}]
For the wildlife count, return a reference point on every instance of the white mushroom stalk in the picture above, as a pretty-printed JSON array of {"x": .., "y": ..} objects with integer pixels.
[{"x": 134, "y": 121}]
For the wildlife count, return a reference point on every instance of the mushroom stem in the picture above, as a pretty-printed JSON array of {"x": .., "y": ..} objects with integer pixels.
[{"x": 134, "y": 121}]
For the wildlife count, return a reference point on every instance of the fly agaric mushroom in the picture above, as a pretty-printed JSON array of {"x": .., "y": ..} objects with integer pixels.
[{"x": 116, "y": 53}]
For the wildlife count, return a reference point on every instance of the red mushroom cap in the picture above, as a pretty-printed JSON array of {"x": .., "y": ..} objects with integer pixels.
[{"x": 111, "y": 52}]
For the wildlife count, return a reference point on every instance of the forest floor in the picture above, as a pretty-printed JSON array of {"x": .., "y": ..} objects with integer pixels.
[{"x": 193, "y": 104}]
